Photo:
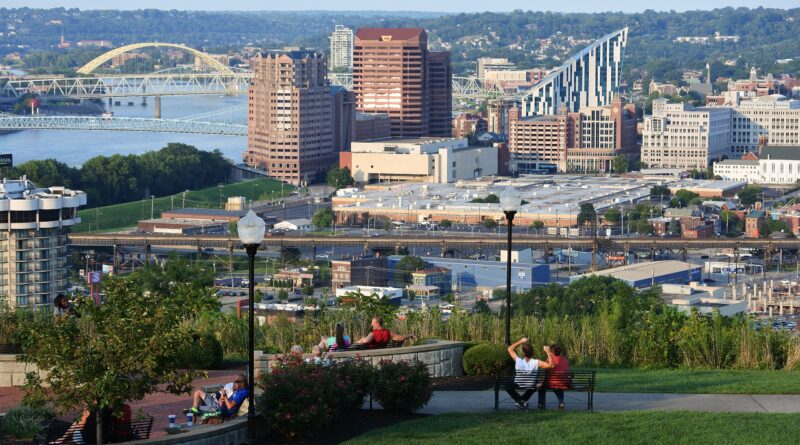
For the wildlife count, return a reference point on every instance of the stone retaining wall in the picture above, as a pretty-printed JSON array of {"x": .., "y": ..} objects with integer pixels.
[
  {"x": 12, "y": 372},
  {"x": 443, "y": 357},
  {"x": 233, "y": 432}
]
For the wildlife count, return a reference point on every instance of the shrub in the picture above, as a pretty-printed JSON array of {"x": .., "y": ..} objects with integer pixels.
[
  {"x": 299, "y": 398},
  {"x": 354, "y": 379},
  {"x": 205, "y": 353},
  {"x": 402, "y": 386},
  {"x": 26, "y": 422},
  {"x": 486, "y": 359}
]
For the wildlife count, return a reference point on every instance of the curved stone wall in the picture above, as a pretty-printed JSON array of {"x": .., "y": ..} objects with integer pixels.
[{"x": 443, "y": 357}]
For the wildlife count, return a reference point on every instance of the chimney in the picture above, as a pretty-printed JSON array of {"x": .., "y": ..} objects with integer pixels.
[{"x": 762, "y": 142}]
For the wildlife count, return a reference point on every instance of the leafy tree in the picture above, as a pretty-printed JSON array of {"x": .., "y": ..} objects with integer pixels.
[
  {"x": 749, "y": 195},
  {"x": 685, "y": 197},
  {"x": 674, "y": 227},
  {"x": 731, "y": 223},
  {"x": 612, "y": 216},
  {"x": 323, "y": 218},
  {"x": 489, "y": 223},
  {"x": 387, "y": 226},
  {"x": 405, "y": 266},
  {"x": 659, "y": 190},
  {"x": 339, "y": 177},
  {"x": 372, "y": 305},
  {"x": 620, "y": 164},
  {"x": 587, "y": 214},
  {"x": 644, "y": 227},
  {"x": 175, "y": 270},
  {"x": 118, "y": 351},
  {"x": 538, "y": 225},
  {"x": 283, "y": 295},
  {"x": 771, "y": 226},
  {"x": 445, "y": 224},
  {"x": 482, "y": 307},
  {"x": 491, "y": 198}
]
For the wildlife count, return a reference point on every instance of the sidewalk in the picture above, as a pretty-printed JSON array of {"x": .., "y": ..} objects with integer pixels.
[{"x": 483, "y": 401}]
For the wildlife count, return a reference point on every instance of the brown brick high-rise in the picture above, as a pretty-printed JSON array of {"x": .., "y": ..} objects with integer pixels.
[
  {"x": 394, "y": 73},
  {"x": 290, "y": 128}
]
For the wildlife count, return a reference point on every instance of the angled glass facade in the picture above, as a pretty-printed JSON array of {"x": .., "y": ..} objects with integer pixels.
[{"x": 588, "y": 79}]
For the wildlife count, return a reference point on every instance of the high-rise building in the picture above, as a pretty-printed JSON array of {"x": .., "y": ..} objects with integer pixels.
[
  {"x": 394, "y": 73},
  {"x": 767, "y": 117},
  {"x": 293, "y": 116},
  {"x": 341, "y": 48},
  {"x": 682, "y": 136},
  {"x": 587, "y": 79},
  {"x": 493, "y": 64},
  {"x": 497, "y": 115},
  {"x": 35, "y": 222},
  {"x": 586, "y": 141}
]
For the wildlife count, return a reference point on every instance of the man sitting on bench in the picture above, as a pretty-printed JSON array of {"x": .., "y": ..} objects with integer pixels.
[
  {"x": 380, "y": 336},
  {"x": 525, "y": 368},
  {"x": 221, "y": 403}
]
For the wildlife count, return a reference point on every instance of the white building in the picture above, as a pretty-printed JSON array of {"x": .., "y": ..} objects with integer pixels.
[
  {"x": 389, "y": 292},
  {"x": 590, "y": 78},
  {"x": 293, "y": 224},
  {"x": 34, "y": 223},
  {"x": 432, "y": 160},
  {"x": 341, "y": 48},
  {"x": 776, "y": 165},
  {"x": 682, "y": 136},
  {"x": 493, "y": 64},
  {"x": 768, "y": 117}
]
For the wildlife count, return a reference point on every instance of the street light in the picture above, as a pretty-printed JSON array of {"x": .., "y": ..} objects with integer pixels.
[
  {"x": 509, "y": 202},
  {"x": 251, "y": 233}
]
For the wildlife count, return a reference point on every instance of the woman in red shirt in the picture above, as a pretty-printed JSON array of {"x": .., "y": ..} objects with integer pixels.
[{"x": 557, "y": 378}]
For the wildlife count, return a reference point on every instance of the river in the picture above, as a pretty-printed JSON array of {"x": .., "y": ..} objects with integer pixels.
[{"x": 75, "y": 147}]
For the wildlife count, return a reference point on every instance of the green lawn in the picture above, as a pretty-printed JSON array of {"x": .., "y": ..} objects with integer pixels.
[
  {"x": 692, "y": 381},
  {"x": 120, "y": 216},
  {"x": 553, "y": 427}
]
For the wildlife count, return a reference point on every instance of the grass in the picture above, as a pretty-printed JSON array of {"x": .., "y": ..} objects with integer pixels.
[
  {"x": 640, "y": 427},
  {"x": 698, "y": 381},
  {"x": 121, "y": 216}
]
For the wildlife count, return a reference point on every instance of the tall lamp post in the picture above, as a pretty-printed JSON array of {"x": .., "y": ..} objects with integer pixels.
[
  {"x": 509, "y": 202},
  {"x": 251, "y": 233}
]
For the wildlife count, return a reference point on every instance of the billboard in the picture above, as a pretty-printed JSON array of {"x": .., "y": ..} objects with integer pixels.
[{"x": 6, "y": 160}]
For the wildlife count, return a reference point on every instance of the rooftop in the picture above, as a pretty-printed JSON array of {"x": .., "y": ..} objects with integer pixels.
[
  {"x": 780, "y": 153},
  {"x": 394, "y": 33},
  {"x": 642, "y": 271}
]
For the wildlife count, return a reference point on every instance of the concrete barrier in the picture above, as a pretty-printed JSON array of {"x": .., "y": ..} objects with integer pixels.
[
  {"x": 442, "y": 357},
  {"x": 12, "y": 372}
]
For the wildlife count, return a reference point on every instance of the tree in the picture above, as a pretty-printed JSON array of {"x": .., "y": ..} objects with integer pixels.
[
  {"x": 612, "y": 216},
  {"x": 749, "y": 195},
  {"x": 731, "y": 223},
  {"x": 644, "y": 227},
  {"x": 685, "y": 197},
  {"x": 491, "y": 198},
  {"x": 482, "y": 307},
  {"x": 659, "y": 190},
  {"x": 587, "y": 214},
  {"x": 323, "y": 218},
  {"x": 489, "y": 223},
  {"x": 388, "y": 226},
  {"x": 620, "y": 164},
  {"x": 339, "y": 177},
  {"x": 538, "y": 225},
  {"x": 406, "y": 265},
  {"x": 118, "y": 351},
  {"x": 674, "y": 227},
  {"x": 283, "y": 295},
  {"x": 445, "y": 224},
  {"x": 771, "y": 226}
]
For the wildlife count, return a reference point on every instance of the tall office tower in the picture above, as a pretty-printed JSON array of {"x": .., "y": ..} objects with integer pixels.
[
  {"x": 587, "y": 79},
  {"x": 290, "y": 128},
  {"x": 394, "y": 73},
  {"x": 440, "y": 94},
  {"x": 341, "y": 48},
  {"x": 497, "y": 115},
  {"x": 35, "y": 222}
]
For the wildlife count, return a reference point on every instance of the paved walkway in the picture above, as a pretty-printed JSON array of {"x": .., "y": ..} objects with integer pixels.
[{"x": 480, "y": 401}]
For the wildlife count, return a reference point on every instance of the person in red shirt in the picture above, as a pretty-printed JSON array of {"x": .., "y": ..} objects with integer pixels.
[
  {"x": 380, "y": 336},
  {"x": 557, "y": 378}
]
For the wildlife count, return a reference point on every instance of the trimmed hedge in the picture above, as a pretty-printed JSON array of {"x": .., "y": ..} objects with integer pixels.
[{"x": 486, "y": 359}]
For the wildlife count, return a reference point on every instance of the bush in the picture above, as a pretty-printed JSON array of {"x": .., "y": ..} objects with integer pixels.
[
  {"x": 402, "y": 386},
  {"x": 354, "y": 379},
  {"x": 25, "y": 422},
  {"x": 486, "y": 359},
  {"x": 205, "y": 353},
  {"x": 299, "y": 398}
]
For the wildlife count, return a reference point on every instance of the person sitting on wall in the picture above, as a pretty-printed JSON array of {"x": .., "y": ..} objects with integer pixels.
[
  {"x": 221, "y": 403},
  {"x": 337, "y": 342},
  {"x": 380, "y": 336}
]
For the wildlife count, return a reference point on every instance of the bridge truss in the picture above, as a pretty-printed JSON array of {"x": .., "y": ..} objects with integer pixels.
[{"x": 14, "y": 122}]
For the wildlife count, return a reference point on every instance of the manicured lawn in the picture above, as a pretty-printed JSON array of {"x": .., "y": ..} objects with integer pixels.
[
  {"x": 553, "y": 427},
  {"x": 121, "y": 216},
  {"x": 690, "y": 381}
]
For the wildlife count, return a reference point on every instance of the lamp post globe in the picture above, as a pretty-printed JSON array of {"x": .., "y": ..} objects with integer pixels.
[
  {"x": 510, "y": 202},
  {"x": 251, "y": 230}
]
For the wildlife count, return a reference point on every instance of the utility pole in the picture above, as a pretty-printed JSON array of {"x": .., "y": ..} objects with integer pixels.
[{"x": 152, "y": 200}]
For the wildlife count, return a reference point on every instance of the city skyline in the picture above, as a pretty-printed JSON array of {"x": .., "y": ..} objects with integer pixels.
[{"x": 447, "y": 6}]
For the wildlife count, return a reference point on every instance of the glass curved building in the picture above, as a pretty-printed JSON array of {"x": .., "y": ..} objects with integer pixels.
[
  {"x": 34, "y": 223},
  {"x": 587, "y": 79}
]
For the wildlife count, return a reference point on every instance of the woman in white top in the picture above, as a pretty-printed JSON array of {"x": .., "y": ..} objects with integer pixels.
[{"x": 525, "y": 368}]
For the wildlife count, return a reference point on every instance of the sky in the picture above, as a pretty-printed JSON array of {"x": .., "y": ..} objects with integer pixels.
[{"x": 407, "y": 5}]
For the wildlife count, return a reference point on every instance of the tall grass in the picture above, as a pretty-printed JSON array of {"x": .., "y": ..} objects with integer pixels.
[{"x": 659, "y": 339}]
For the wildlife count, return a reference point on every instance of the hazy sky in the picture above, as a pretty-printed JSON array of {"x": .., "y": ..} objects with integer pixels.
[{"x": 408, "y": 5}]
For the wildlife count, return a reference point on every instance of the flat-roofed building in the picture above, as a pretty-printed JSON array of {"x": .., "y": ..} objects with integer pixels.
[
  {"x": 439, "y": 160},
  {"x": 651, "y": 273}
]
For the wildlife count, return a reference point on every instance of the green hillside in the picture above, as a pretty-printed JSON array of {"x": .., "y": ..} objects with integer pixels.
[{"x": 121, "y": 216}]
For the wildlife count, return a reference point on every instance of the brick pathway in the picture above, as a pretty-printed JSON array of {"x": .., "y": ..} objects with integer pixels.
[{"x": 158, "y": 405}]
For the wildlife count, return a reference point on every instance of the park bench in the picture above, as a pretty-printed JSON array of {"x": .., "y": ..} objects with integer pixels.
[
  {"x": 582, "y": 381},
  {"x": 362, "y": 347},
  {"x": 118, "y": 432}
]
